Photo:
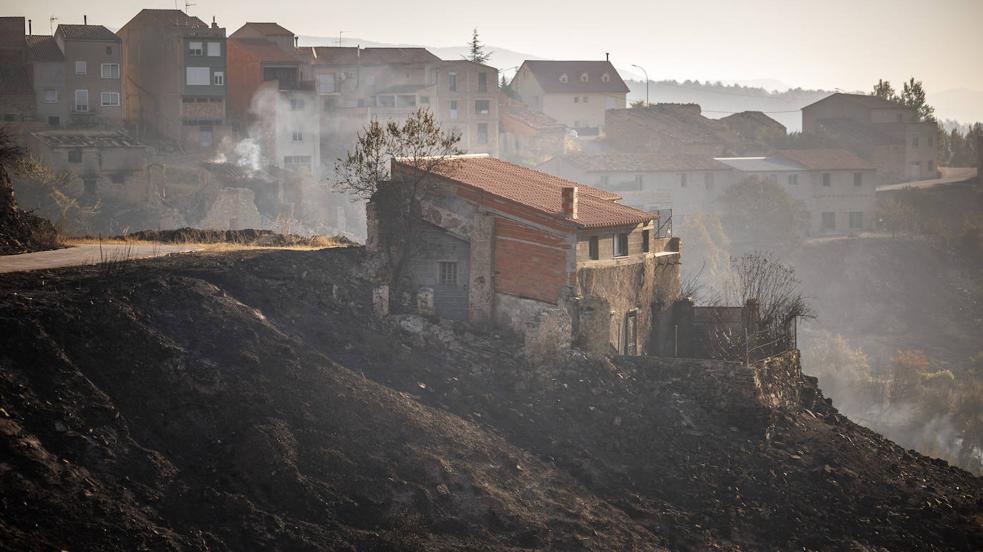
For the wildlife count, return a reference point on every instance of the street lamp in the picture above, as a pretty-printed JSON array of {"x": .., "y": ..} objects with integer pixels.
[{"x": 646, "y": 83}]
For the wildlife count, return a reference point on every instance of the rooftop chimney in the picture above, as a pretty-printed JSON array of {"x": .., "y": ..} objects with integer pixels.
[
  {"x": 29, "y": 33},
  {"x": 569, "y": 195},
  {"x": 85, "y": 19},
  {"x": 607, "y": 56},
  {"x": 214, "y": 24},
  {"x": 296, "y": 42}
]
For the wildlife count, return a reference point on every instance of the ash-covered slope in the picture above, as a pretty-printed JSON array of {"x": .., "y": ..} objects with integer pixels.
[{"x": 249, "y": 401}]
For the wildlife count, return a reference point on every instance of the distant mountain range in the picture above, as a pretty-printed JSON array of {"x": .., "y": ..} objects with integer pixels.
[{"x": 774, "y": 97}]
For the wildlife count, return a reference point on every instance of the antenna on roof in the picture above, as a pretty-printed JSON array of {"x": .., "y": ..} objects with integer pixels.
[
  {"x": 51, "y": 24},
  {"x": 187, "y": 6},
  {"x": 339, "y": 36}
]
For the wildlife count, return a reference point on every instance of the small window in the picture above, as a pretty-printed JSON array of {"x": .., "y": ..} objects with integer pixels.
[
  {"x": 54, "y": 121},
  {"x": 827, "y": 180},
  {"x": 829, "y": 221},
  {"x": 482, "y": 133},
  {"x": 297, "y": 136},
  {"x": 914, "y": 141},
  {"x": 793, "y": 179},
  {"x": 645, "y": 241},
  {"x": 605, "y": 77},
  {"x": 218, "y": 79},
  {"x": 593, "y": 248},
  {"x": 117, "y": 178},
  {"x": 708, "y": 180},
  {"x": 110, "y": 71},
  {"x": 482, "y": 82},
  {"x": 195, "y": 49},
  {"x": 586, "y": 99},
  {"x": 564, "y": 78},
  {"x": 856, "y": 220},
  {"x": 74, "y": 156},
  {"x": 621, "y": 245},
  {"x": 81, "y": 68},
  {"x": 576, "y": 99},
  {"x": 454, "y": 111},
  {"x": 90, "y": 186},
  {"x": 296, "y": 104},
  {"x": 604, "y": 180},
  {"x": 214, "y": 49},
  {"x": 452, "y": 82},
  {"x": 682, "y": 180},
  {"x": 639, "y": 180},
  {"x": 9, "y": 117},
  {"x": 482, "y": 107},
  {"x": 447, "y": 273},
  {"x": 330, "y": 103},
  {"x": 109, "y": 50},
  {"x": 858, "y": 179},
  {"x": 584, "y": 77},
  {"x": 50, "y": 95},
  {"x": 109, "y": 99},
  {"x": 425, "y": 100}
]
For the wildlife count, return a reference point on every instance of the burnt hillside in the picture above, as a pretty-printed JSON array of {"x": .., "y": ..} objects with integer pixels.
[{"x": 249, "y": 400}]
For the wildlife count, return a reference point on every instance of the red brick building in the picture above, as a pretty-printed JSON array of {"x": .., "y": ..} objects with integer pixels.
[{"x": 556, "y": 261}]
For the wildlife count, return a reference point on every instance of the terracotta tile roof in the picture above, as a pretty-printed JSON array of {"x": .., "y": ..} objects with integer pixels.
[
  {"x": 644, "y": 162},
  {"x": 264, "y": 50},
  {"x": 86, "y": 32},
  {"x": 542, "y": 192},
  {"x": 870, "y": 102},
  {"x": 683, "y": 123},
  {"x": 43, "y": 48},
  {"x": 826, "y": 159},
  {"x": 548, "y": 74},
  {"x": 264, "y": 28},
  {"x": 343, "y": 55},
  {"x": 87, "y": 138},
  {"x": 177, "y": 20},
  {"x": 533, "y": 119}
]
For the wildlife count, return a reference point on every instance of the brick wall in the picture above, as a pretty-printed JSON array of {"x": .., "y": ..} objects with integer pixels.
[{"x": 529, "y": 262}]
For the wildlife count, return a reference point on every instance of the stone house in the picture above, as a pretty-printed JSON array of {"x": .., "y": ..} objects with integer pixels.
[
  {"x": 106, "y": 163},
  {"x": 678, "y": 182},
  {"x": 884, "y": 132},
  {"x": 176, "y": 78},
  {"x": 556, "y": 261},
  {"x": 836, "y": 187},
  {"x": 675, "y": 128},
  {"x": 575, "y": 93},
  {"x": 527, "y": 136}
]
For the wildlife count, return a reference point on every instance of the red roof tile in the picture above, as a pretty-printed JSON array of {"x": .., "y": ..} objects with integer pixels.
[
  {"x": 344, "y": 55},
  {"x": 263, "y": 28},
  {"x": 86, "y": 32},
  {"x": 542, "y": 192},
  {"x": 264, "y": 50},
  {"x": 43, "y": 48},
  {"x": 826, "y": 159}
]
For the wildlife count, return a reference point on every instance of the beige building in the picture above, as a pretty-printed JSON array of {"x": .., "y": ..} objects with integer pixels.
[
  {"x": 465, "y": 99},
  {"x": 835, "y": 187},
  {"x": 575, "y": 93},
  {"x": 651, "y": 182},
  {"x": 176, "y": 78},
  {"x": 884, "y": 132}
]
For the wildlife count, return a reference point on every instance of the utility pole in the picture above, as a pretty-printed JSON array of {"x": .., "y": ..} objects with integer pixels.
[
  {"x": 646, "y": 83},
  {"x": 339, "y": 36}
]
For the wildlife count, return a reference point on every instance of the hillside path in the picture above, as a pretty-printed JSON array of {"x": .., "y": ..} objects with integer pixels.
[{"x": 87, "y": 255}]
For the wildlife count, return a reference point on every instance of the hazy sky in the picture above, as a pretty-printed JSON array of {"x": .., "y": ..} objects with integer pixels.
[{"x": 827, "y": 44}]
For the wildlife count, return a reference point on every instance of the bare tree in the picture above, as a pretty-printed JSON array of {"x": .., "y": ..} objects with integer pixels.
[
  {"x": 759, "y": 278},
  {"x": 424, "y": 150}
]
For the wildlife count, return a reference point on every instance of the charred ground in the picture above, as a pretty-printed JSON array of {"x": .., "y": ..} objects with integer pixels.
[{"x": 249, "y": 400}]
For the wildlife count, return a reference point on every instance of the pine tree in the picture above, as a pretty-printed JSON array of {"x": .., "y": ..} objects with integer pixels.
[
  {"x": 883, "y": 89},
  {"x": 913, "y": 97},
  {"x": 477, "y": 53}
]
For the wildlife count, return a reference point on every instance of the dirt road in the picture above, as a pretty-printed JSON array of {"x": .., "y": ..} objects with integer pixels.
[{"x": 86, "y": 255}]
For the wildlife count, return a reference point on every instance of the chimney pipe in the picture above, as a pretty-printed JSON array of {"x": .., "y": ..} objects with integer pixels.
[
  {"x": 85, "y": 19},
  {"x": 569, "y": 201},
  {"x": 29, "y": 33},
  {"x": 607, "y": 56},
  {"x": 296, "y": 42}
]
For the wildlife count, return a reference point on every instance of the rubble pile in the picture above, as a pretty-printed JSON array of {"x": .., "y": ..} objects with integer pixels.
[{"x": 259, "y": 403}]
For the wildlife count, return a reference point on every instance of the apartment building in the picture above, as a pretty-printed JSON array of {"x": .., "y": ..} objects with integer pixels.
[
  {"x": 176, "y": 78},
  {"x": 836, "y": 187},
  {"x": 16, "y": 95},
  {"x": 465, "y": 99},
  {"x": 884, "y": 132},
  {"x": 575, "y": 93},
  {"x": 93, "y": 75}
]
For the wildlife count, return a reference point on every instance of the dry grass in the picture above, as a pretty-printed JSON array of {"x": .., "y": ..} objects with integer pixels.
[{"x": 322, "y": 243}]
